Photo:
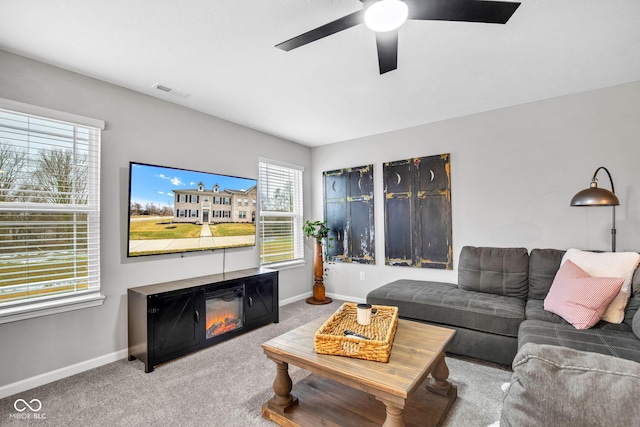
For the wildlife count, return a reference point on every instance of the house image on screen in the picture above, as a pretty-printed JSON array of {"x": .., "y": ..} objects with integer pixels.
[{"x": 214, "y": 206}]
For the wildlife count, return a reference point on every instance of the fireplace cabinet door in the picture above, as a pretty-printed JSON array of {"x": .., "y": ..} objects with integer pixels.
[
  {"x": 261, "y": 302},
  {"x": 176, "y": 324}
]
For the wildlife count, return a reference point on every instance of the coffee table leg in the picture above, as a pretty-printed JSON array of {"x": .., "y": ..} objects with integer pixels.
[
  {"x": 282, "y": 385},
  {"x": 394, "y": 415},
  {"x": 438, "y": 383}
]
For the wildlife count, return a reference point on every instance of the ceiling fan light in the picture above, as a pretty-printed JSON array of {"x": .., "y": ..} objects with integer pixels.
[{"x": 386, "y": 15}]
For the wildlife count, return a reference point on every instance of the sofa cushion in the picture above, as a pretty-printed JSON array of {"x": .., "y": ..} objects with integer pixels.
[
  {"x": 534, "y": 310},
  {"x": 500, "y": 271},
  {"x": 543, "y": 265},
  {"x": 445, "y": 304},
  {"x": 620, "y": 344},
  {"x": 555, "y": 386},
  {"x": 609, "y": 264},
  {"x": 636, "y": 324},
  {"x": 579, "y": 298}
]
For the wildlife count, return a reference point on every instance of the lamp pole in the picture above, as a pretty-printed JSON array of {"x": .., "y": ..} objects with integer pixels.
[{"x": 613, "y": 226}]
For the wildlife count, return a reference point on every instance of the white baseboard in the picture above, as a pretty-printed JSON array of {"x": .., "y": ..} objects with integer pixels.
[
  {"x": 347, "y": 298},
  {"x": 58, "y": 374},
  {"x": 308, "y": 294},
  {"x": 294, "y": 299}
]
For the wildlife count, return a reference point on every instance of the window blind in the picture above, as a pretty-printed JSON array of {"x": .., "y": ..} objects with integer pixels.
[
  {"x": 49, "y": 208},
  {"x": 280, "y": 207}
]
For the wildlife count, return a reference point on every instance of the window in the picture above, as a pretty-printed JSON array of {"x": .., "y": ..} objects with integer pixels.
[
  {"x": 182, "y": 198},
  {"x": 280, "y": 192},
  {"x": 49, "y": 211},
  {"x": 194, "y": 213}
]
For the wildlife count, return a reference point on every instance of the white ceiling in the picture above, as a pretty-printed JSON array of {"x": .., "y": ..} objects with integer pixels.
[{"x": 222, "y": 53}]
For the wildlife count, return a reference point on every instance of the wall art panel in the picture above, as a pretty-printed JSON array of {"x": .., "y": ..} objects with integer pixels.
[
  {"x": 348, "y": 210},
  {"x": 417, "y": 212}
]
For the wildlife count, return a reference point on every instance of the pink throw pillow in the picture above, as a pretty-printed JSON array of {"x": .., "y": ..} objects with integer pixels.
[{"x": 579, "y": 298}]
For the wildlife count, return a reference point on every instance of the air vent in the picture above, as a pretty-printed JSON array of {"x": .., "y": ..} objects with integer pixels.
[{"x": 170, "y": 91}]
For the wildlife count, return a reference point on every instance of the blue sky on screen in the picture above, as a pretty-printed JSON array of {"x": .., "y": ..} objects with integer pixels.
[{"x": 155, "y": 184}]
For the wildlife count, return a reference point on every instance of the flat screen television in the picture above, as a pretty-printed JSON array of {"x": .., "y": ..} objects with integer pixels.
[{"x": 175, "y": 210}]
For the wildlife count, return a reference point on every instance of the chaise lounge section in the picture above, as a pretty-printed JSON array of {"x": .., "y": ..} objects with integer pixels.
[{"x": 486, "y": 307}]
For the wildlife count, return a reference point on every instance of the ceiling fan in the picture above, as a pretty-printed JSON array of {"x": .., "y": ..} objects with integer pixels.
[{"x": 386, "y": 16}]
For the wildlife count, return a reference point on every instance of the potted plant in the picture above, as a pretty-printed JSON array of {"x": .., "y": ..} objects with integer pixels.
[{"x": 319, "y": 231}]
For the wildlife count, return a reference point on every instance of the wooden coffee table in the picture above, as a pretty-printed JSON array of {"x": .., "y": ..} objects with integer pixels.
[{"x": 344, "y": 391}]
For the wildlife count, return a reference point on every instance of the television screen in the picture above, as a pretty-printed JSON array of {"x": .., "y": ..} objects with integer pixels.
[{"x": 177, "y": 210}]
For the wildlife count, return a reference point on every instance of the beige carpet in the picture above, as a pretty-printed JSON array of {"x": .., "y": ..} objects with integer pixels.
[{"x": 224, "y": 385}]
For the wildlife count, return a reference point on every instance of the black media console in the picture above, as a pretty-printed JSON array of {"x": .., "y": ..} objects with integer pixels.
[{"x": 171, "y": 319}]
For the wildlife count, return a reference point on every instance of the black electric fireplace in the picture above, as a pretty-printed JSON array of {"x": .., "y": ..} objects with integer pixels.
[
  {"x": 171, "y": 319},
  {"x": 224, "y": 311}
]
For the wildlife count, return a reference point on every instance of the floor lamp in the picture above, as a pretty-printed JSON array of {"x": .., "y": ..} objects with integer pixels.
[{"x": 594, "y": 196}]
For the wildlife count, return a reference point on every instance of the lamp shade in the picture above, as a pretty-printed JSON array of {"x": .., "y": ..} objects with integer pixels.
[{"x": 594, "y": 196}]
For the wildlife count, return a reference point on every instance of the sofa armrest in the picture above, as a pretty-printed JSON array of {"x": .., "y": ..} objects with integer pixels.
[{"x": 554, "y": 385}]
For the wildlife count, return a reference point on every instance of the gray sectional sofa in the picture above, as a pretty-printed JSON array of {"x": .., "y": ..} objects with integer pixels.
[
  {"x": 497, "y": 306},
  {"x": 562, "y": 376}
]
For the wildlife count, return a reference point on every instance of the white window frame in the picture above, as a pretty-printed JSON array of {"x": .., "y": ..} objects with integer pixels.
[
  {"x": 269, "y": 169},
  {"x": 92, "y": 297}
]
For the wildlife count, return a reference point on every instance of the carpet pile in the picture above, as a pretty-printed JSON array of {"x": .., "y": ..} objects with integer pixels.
[{"x": 224, "y": 385}]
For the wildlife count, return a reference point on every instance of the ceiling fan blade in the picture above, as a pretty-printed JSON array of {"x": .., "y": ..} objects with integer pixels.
[
  {"x": 333, "y": 27},
  {"x": 387, "y": 50},
  {"x": 493, "y": 12}
]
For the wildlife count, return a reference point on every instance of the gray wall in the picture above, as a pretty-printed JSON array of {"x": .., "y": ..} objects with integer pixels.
[
  {"x": 513, "y": 173},
  {"x": 144, "y": 129}
]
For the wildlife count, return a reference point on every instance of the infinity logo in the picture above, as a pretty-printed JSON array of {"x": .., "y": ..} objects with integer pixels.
[{"x": 25, "y": 405}]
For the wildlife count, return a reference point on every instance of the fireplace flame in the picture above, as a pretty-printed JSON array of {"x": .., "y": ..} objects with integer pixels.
[{"x": 221, "y": 323}]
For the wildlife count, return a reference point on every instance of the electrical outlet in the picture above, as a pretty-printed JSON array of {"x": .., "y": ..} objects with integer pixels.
[{"x": 362, "y": 275}]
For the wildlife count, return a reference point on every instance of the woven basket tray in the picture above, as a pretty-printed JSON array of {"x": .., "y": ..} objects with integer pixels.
[{"x": 330, "y": 338}]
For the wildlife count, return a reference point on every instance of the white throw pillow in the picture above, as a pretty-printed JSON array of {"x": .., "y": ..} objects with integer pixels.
[{"x": 608, "y": 264}]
